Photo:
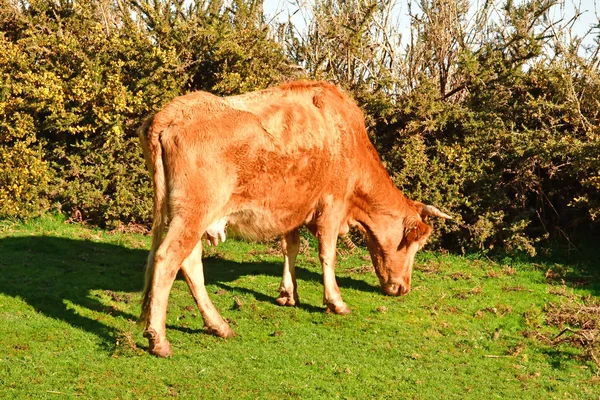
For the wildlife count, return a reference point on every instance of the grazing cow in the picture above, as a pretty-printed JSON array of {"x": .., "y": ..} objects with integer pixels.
[{"x": 267, "y": 163}]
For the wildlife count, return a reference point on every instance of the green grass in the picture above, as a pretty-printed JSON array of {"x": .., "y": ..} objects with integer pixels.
[{"x": 70, "y": 296}]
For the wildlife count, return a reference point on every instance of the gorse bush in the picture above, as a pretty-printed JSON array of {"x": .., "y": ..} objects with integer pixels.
[
  {"x": 493, "y": 118},
  {"x": 24, "y": 174},
  {"x": 491, "y": 114},
  {"x": 78, "y": 78},
  {"x": 83, "y": 87}
]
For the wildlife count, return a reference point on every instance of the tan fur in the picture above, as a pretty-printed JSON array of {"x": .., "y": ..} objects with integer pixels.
[
  {"x": 268, "y": 162},
  {"x": 153, "y": 158}
]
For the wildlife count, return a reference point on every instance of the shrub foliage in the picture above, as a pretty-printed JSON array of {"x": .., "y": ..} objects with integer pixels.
[
  {"x": 78, "y": 77},
  {"x": 491, "y": 114}
]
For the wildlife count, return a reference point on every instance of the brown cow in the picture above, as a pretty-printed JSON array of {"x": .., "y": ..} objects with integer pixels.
[{"x": 266, "y": 163}]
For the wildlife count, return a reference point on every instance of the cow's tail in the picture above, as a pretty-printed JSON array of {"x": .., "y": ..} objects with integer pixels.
[{"x": 150, "y": 142}]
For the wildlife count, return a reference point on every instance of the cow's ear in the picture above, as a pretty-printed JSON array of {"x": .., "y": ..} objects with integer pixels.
[
  {"x": 418, "y": 207},
  {"x": 417, "y": 232}
]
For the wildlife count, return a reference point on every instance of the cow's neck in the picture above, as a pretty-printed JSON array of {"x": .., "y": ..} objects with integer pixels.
[{"x": 379, "y": 204}]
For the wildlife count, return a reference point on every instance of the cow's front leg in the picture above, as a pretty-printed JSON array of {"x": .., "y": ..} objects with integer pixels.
[
  {"x": 193, "y": 273},
  {"x": 288, "y": 290},
  {"x": 332, "y": 297}
]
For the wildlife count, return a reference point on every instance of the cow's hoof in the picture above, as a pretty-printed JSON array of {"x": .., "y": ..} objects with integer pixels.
[
  {"x": 163, "y": 351},
  {"x": 340, "y": 309},
  {"x": 160, "y": 348},
  {"x": 285, "y": 299},
  {"x": 223, "y": 331}
]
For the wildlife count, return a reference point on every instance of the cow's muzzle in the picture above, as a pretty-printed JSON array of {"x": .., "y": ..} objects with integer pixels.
[{"x": 395, "y": 289}]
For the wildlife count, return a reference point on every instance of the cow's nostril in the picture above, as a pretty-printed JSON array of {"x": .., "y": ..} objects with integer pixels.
[{"x": 403, "y": 290}]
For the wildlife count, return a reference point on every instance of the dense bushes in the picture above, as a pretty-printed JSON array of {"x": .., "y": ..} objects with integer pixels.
[
  {"x": 516, "y": 163},
  {"x": 493, "y": 116},
  {"x": 83, "y": 87},
  {"x": 493, "y": 119},
  {"x": 78, "y": 77}
]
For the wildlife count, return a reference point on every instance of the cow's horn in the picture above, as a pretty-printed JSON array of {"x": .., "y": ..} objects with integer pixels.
[{"x": 433, "y": 212}]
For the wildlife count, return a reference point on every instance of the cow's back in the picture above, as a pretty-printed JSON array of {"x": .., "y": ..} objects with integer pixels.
[
  {"x": 279, "y": 152},
  {"x": 305, "y": 115}
]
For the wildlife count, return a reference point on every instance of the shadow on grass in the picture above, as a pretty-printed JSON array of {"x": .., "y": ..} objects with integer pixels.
[
  {"x": 58, "y": 275},
  {"x": 577, "y": 268},
  {"x": 562, "y": 359}
]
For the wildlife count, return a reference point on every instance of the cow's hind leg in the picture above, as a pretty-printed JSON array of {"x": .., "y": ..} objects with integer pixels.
[
  {"x": 178, "y": 244},
  {"x": 157, "y": 232},
  {"x": 288, "y": 290},
  {"x": 194, "y": 275}
]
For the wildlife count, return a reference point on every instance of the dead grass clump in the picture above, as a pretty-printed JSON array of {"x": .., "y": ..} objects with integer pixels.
[
  {"x": 516, "y": 288},
  {"x": 363, "y": 269},
  {"x": 347, "y": 247},
  {"x": 556, "y": 272},
  {"x": 114, "y": 296},
  {"x": 129, "y": 228},
  {"x": 499, "y": 310},
  {"x": 430, "y": 268},
  {"x": 578, "y": 319},
  {"x": 563, "y": 291},
  {"x": 493, "y": 274},
  {"x": 304, "y": 247},
  {"x": 125, "y": 345},
  {"x": 461, "y": 276},
  {"x": 465, "y": 294},
  {"x": 273, "y": 248}
]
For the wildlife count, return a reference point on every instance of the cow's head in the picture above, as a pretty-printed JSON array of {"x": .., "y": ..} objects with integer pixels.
[{"x": 393, "y": 248}]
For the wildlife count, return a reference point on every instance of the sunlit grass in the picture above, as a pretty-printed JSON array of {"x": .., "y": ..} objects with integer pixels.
[{"x": 70, "y": 295}]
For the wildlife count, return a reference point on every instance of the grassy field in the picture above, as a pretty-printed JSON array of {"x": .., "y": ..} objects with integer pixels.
[{"x": 471, "y": 328}]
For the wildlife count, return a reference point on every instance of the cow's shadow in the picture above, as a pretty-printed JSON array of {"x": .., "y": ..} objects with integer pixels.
[{"x": 59, "y": 276}]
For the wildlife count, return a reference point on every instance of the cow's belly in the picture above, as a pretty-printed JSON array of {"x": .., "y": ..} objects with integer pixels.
[{"x": 257, "y": 223}]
